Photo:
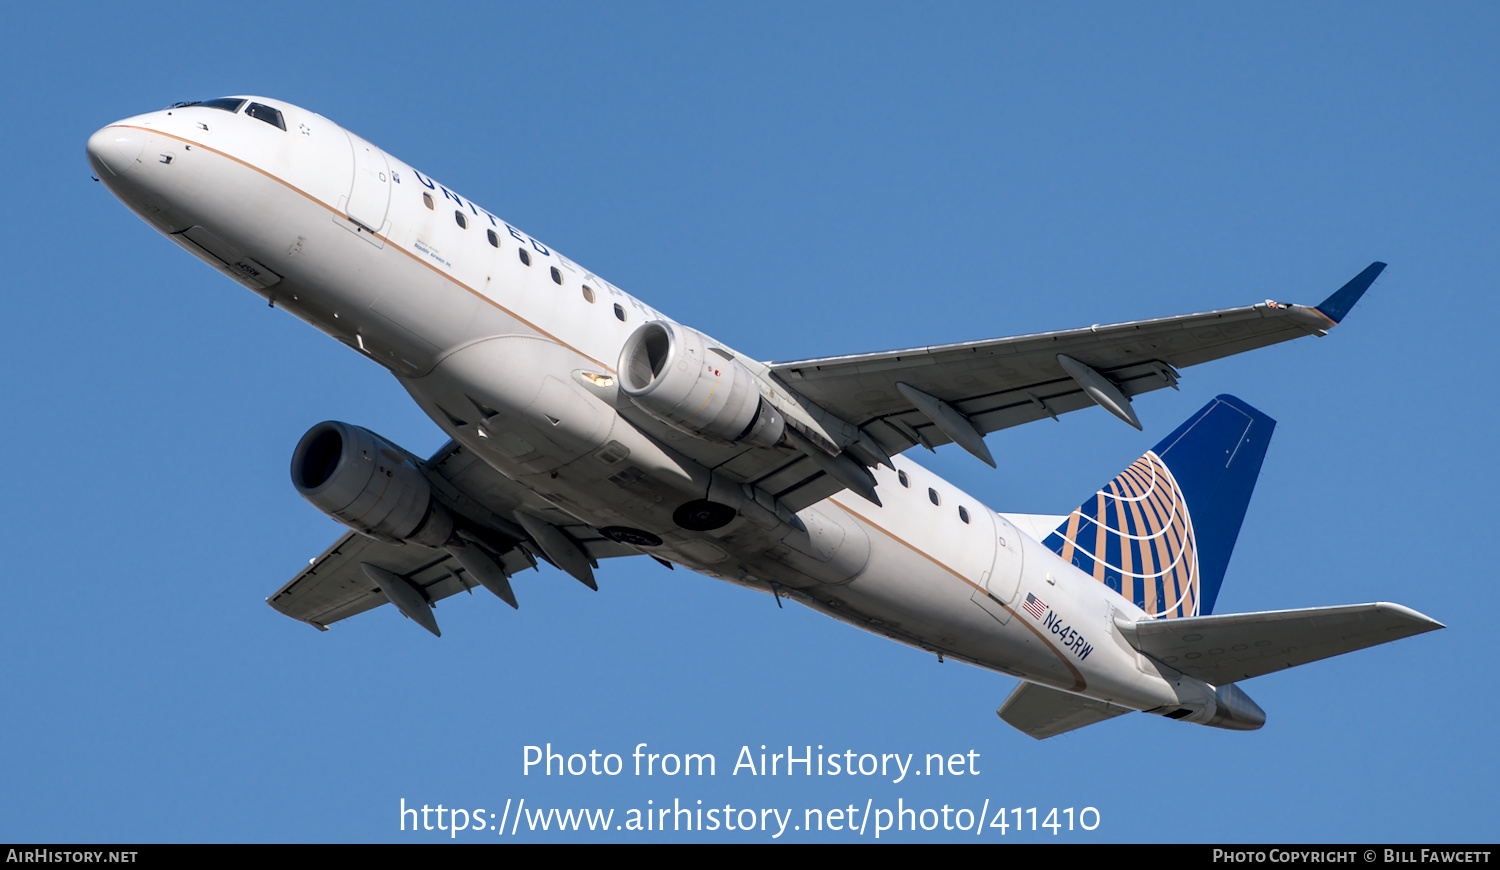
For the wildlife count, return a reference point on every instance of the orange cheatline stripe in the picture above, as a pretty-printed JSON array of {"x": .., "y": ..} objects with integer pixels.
[
  {"x": 1078, "y": 677},
  {"x": 395, "y": 247},
  {"x": 1078, "y": 681}
]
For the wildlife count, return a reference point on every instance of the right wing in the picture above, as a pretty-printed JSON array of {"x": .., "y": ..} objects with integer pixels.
[
  {"x": 847, "y": 413},
  {"x": 929, "y": 395}
]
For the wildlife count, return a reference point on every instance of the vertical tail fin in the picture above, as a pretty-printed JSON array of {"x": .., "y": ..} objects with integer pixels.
[{"x": 1162, "y": 531}]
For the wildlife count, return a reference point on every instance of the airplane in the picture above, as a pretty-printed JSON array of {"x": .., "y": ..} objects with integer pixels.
[{"x": 584, "y": 425}]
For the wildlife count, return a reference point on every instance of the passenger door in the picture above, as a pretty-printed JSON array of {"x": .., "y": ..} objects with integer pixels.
[{"x": 370, "y": 191}]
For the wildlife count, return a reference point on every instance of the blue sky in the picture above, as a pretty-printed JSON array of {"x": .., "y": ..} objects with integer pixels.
[{"x": 798, "y": 180}]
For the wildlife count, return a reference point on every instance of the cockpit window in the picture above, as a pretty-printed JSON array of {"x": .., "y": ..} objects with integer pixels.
[
  {"x": 228, "y": 104},
  {"x": 266, "y": 113}
]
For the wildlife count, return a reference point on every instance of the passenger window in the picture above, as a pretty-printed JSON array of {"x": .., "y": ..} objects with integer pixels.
[
  {"x": 588, "y": 293},
  {"x": 901, "y": 476},
  {"x": 963, "y": 514},
  {"x": 525, "y": 257},
  {"x": 494, "y": 239},
  {"x": 932, "y": 496},
  {"x": 619, "y": 313},
  {"x": 266, "y": 113},
  {"x": 556, "y": 276},
  {"x": 461, "y": 219},
  {"x": 427, "y": 200}
]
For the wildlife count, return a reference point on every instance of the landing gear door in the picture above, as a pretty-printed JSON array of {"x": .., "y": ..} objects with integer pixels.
[{"x": 370, "y": 192}]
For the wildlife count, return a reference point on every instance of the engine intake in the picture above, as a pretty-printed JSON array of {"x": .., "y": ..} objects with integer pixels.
[
  {"x": 682, "y": 378},
  {"x": 369, "y": 485}
]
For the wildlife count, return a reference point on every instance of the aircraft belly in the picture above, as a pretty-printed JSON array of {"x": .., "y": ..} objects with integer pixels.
[
  {"x": 878, "y": 572},
  {"x": 917, "y": 597},
  {"x": 337, "y": 282},
  {"x": 505, "y": 398},
  {"x": 886, "y": 570}
]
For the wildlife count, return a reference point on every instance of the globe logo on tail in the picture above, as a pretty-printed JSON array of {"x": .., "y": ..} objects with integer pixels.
[{"x": 1136, "y": 537}]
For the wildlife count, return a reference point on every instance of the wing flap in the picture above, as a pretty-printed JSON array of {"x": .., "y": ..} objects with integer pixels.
[
  {"x": 1238, "y": 646},
  {"x": 1044, "y": 712}
]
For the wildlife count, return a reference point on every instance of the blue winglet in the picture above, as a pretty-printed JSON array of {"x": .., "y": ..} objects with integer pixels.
[{"x": 1343, "y": 299}]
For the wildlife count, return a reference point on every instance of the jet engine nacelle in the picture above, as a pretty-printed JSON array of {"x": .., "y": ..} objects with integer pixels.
[
  {"x": 366, "y": 483},
  {"x": 682, "y": 378}
]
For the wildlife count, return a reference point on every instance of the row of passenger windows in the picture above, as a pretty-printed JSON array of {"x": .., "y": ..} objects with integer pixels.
[
  {"x": 588, "y": 294},
  {"x": 494, "y": 238},
  {"x": 932, "y": 496}
]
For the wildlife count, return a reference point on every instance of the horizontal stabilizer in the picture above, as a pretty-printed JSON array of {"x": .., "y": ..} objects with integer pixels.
[
  {"x": 1043, "y": 712},
  {"x": 1238, "y": 646}
]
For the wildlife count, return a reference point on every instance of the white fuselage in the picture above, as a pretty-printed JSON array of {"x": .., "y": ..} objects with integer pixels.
[{"x": 497, "y": 343}]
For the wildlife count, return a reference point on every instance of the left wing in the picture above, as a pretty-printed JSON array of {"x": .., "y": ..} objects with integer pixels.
[
  {"x": 338, "y": 585},
  {"x": 960, "y": 392},
  {"x": 335, "y": 587}
]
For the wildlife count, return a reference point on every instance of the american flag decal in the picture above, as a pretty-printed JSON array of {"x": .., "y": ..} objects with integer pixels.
[{"x": 1034, "y": 606}]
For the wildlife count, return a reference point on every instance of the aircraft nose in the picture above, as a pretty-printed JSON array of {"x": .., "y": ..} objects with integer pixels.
[{"x": 116, "y": 149}]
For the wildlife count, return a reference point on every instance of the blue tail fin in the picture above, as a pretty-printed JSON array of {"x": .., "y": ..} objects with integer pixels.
[{"x": 1161, "y": 532}]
